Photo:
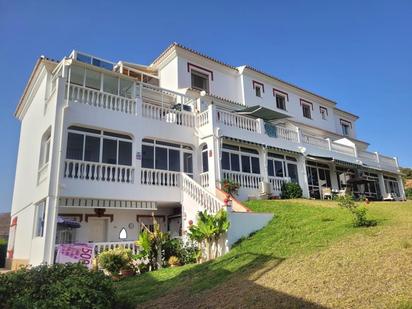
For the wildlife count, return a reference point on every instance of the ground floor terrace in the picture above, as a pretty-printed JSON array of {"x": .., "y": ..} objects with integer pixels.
[
  {"x": 252, "y": 165},
  {"x": 108, "y": 224}
]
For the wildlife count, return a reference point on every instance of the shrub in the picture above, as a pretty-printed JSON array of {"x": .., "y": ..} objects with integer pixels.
[
  {"x": 173, "y": 261},
  {"x": 56, "y": 286},
  {"x": 230, "y": 187},
  {"x": 359, "y": 212},
  {"x": 408, "y": 193},
  {"x": 291, "y": 190},
  {"x": 115, "y": 260},
  {"x": 185, "y": 252}
]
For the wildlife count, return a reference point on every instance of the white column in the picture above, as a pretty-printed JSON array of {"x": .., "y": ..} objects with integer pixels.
[
  {"x": 303, "y": 177},
  {"x": 401, "y": 188},
  {"x": 334, "y": 177},
  {"x": 382, "y": 185},
  {"x": 50, "y": 226},
  {"x": 264, "y": 164}
]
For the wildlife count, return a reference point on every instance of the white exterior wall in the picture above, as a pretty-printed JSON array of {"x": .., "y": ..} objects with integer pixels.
[
  {"x": 225, "y": 83},
  {"x": 27, "y": 192},
  {"x": 168, "y": 76}
]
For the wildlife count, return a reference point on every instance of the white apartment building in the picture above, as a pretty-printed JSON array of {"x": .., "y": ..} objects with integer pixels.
[{"x": 106, "y": 145}]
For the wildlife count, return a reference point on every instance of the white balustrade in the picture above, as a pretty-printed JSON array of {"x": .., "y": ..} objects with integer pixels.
[
  {"x": 204, "y": 179},
  {"x": 238, "y": 121},
  {"x": 277, "y": 183},
  {"x": 160, "y": 178},
  {"x": 388, "y": 162},
  {"x": 368, "y": 157},
  {"x": 343, "y": 149},
  {"x": 316, "y": 141},
  {"x": 287, "y": 134},
  {"x": 99, "y": 247},
  {"x": 95, "y": 171},
  {"x": 203, "y": 119},
  {"x": 203, "y": 197},
  {"x": 92, "y": 97},
  {"x": 244, "y": 179},
  {"x": 166, "y": 114}
]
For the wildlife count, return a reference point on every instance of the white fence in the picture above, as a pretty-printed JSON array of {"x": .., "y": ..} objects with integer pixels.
[
  {"x": 88, "y": 96},
  {"x": 287, "y": 134},
  {"x": 166, "y": 114},
  {"x": 277, "y": 182},
  {"x": 104, "y": 246},
  {"x": 238, "y": 121},
  {"x": 160, "y": 178},
  {"x": 204, "y": 179},
  {"x": 95, "y": 171},
  {"x": 316, "y": 141},
  {"x": 204, "y": 198},
  {"x": 244, "y": 179}
]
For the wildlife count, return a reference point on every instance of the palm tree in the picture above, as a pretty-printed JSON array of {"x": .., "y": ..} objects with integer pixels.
[{"x": 208, "y": 229}]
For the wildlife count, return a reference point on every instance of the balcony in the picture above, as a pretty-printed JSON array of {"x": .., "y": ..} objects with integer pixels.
[{"x": 249, "y": 129}]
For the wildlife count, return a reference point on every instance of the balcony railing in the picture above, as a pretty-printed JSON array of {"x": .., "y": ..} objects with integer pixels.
[
  {"x": 99, "y": 247},
  {"x": 238, "y": 121},
  {"x": 316, "y": 141},
  {"x": 204, "y": 179},
  {"x": 169, "y": 115},
  {"x": 160, "y": 178},
  {"x": 244, "y": 179},
  {"x": 92, "y": 97},
  {"x": 277, "y": 183},
  {"x": 95, "y": 171}
]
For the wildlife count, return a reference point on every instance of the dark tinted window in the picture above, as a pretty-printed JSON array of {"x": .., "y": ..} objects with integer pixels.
[
  {"x": 92, "y": 149},
  {"x": 147, "y": 156},
  {"x": 74, "y": 146},
  {"x": 188, "y": 163},
  {"x": 205, "y": 162},
  {"x": 270, "y": 168},
  {"x": 225, "y": 161},
  {"x": 255, "y": 165},
  {"x": 234, "y": 161},
  {"x": 278, "y": 168},
  {"x": 245, "y": 164},
  {"x": 109, "y": 151},
  {"x": 293, "y": 172},
  {"x": 125, "y": 153},
  {"x": 174, "y": 160},
  {"x": 161, "y": 158}
]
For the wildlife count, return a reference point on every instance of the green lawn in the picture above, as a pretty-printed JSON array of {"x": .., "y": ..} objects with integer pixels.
[{"x": 301, "y": 231}]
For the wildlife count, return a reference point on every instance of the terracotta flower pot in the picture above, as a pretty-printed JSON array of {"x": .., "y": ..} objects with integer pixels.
[{"x": 127, "y": 272}]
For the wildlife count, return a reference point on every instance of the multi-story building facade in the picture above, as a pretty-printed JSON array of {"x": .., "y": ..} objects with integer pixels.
[{"x": 111, "y": 144}]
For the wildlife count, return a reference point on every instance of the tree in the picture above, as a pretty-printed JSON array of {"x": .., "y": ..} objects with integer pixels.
[{"x": 208, "y": 230}]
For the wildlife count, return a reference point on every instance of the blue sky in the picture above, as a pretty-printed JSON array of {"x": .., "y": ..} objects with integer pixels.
[{"x": 358, "y": 53}]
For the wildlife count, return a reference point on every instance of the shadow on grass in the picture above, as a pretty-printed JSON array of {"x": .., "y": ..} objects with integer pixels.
[{"x": 187, "y": 286}]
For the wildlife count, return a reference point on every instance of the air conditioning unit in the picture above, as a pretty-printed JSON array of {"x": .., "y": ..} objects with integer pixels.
[{"x": 265, "y": 188}]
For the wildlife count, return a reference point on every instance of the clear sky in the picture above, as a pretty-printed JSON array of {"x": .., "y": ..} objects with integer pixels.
[{"x": 358, "y": 53}]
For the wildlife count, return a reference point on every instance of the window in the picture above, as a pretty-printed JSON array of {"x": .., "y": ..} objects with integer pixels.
[
  {"x": 205, "y": 160},
  {"x": 280, "y": 101},
  {"x": 123, "y": 234},
  {"x": 110, "y": 84},
  {"x": 306, "y": 111},
  {"x": 281, "y": 166},
  {"x": 238, "y": 159},
  {"x": 45, "y": 148},
  {"x": 258, "y": 91},
  {"x": 323, "y": 112},
  {"x": 345, "y": 129},
  {"x": 166, "y": 156},
  {"x": 200, "y": 81},
  {"x": 93, "y": 79},
  {"x": 40, "y": 210},
  {"x": 91, "y": 145}
]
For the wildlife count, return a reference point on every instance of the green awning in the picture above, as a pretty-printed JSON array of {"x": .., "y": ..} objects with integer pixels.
[{"x": 261, "y": 112}]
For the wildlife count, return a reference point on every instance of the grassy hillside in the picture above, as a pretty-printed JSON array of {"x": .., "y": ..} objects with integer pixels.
[{"x": 308, "y": 256}]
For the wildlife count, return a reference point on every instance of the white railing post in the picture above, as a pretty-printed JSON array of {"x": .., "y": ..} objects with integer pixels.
[
  {"x": 298, "y": 134},
  {"x": 329, "y": 144},
  {"x": 260, "y": 126},
  {"x": 377, "y": 158}
]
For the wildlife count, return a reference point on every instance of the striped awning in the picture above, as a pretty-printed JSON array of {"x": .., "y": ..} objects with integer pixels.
[{"x": 261, "y": 145}]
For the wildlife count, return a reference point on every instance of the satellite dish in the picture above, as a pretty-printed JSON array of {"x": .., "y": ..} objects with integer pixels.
[{"x": 202, "y": 93}]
